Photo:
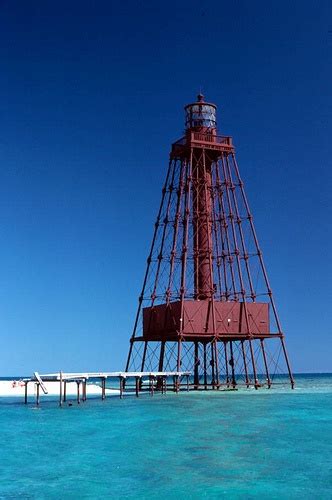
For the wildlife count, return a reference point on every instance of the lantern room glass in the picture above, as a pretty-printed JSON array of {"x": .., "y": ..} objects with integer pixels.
[{"x": 200, "y": 115}]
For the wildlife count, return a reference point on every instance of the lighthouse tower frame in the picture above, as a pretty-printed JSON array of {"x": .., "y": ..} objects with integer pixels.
[{"x": 206, "y": 304}]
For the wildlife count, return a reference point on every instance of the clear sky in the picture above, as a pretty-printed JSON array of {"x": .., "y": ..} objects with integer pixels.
[{"x": 92, "y": 95}]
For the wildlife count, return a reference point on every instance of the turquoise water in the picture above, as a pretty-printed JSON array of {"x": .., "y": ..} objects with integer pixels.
[{"x": 245, "y": 444}]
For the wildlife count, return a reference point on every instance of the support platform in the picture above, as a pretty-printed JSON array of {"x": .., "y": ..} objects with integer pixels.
[{"x": 127, "y": 382}]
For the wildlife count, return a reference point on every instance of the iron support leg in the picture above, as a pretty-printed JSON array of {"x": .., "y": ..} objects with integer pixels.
[
  {"x": 265, "y": 364},
  {"x": 129, "y": 354},
  {"x": 253, "y": 364},
  {"x": 144, "y": 355},
  {"x": 216, "y": 358},
  {"x": 212, "y": 365},
  {"x": 231, "y": 362},
  {"x": 179, "y": 355},
  {"x": 196, "y": 374},
  {"x": 205, "y": 374},
  {"x": 161, "y": 357},
  {"x": 226, "y": 363},
  {"x": 245, "y": 363},
  {"x": 287, "y": 363}
]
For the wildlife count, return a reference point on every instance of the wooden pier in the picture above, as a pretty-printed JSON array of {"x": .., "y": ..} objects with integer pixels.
[{"x": 127, "y": 382}]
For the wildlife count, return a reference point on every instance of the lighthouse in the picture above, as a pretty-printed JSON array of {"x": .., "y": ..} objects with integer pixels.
[{"x": 206, "y": 304}]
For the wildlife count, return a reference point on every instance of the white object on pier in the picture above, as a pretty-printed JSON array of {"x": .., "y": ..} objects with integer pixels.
[{"x": 41, "y": 383}]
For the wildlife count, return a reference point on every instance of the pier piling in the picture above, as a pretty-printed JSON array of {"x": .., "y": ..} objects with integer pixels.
[
  {"x": 121, "y": 387},
  {"x": 154, "y": 381},
  {"x": 84, "y": 390},
  {"x": 137, "y": 386},
  {"x": 78, "y": 392},
  {"x": 103, "y": 388},
  {"x": 26, "y": 393},
  {"x": 60, "y": 392}
]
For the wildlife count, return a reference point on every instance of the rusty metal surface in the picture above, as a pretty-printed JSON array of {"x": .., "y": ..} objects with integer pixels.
[
  {"x": 163, "y": 319},
  {"x": 206, "y": 299}
]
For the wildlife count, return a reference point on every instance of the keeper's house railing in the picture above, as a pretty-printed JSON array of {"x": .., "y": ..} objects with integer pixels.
[
  {"x": 207, "y": 138},
  {"x": 217, "y": 139}
]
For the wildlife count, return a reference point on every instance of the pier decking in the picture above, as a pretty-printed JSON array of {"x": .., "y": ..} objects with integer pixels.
[{"x": 154, "y": 381}]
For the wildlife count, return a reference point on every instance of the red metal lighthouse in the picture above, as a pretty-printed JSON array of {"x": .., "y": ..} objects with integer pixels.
[{"x": 206, "y": 305}]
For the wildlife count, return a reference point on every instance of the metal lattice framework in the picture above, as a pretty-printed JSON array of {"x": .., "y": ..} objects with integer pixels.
[{"x": 206, "y": 304}]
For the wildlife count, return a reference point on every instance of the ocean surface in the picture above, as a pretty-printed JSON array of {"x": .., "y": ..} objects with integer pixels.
[{"x": 273, "y": 443}]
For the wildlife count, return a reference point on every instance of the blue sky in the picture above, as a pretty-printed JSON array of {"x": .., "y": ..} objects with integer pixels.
[{"x": 92, "y": 95}]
